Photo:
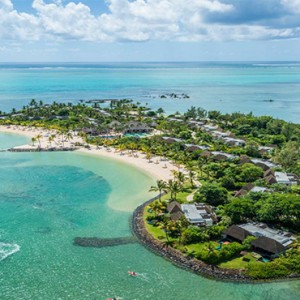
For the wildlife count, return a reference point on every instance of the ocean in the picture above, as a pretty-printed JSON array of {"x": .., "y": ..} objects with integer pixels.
[
  {"x": 262, "y": 88},
  {"x": 48, "y": 199}
]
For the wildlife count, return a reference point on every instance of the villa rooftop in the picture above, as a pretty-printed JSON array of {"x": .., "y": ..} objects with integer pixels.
[
  {"x": 258, "y": 189},
  {"x": 233, "y": 141},
  {"x": 210, "y": 127},
  {"x": 171, "y": 139},
  {"x": 192, "y": 147},
  {"x": 197, "y": 214},
  {"x": 259, "y": 230},
  {"x": 227, "y": 155},
  {"x": 264, "y": 164}
]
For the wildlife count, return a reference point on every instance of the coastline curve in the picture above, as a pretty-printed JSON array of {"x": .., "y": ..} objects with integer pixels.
[{"x": 190, "y": 264}]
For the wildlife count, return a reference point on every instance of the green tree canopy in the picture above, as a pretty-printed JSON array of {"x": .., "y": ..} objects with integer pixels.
[{"x": 212, "y": 193}]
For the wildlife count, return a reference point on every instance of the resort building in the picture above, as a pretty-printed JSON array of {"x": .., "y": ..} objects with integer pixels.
[
  {"x": 220, "y": 135},
  {"x": 272, "y": 177},
  {"x": 222, "y": 155},
  {"x": 264, "y": 164},
  {"x": 236, "y": 233},
  {"x": 234, "y": 142},
  {"x": 91, "y": 131},
  {"x": 270, "y": 242},
  {"x": 192, "y": 147},
  {"x": 175, "y": 120},
  {"x": 251, "y": 188},
  {"x": 171, "y": 140},
  {"x": 102, "y": 112},
  {"x": 265, "y": 150},
  {"x": 174, "y": 210},
  {"x": 195, "y": 124},
  {"x": 198, "y": 214},
  {"x": 209, "y": 127},
  {"x": 136, "y": 127}
]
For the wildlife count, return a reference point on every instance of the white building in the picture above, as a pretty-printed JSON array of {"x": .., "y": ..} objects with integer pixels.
[
  {"x": 284, "y": 178},
  {"x": 197, "y": 214},
  {"x": 234, "y": 142}
]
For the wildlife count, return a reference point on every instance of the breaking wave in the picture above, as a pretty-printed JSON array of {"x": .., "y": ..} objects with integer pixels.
[{"x": 8, "y": 249}]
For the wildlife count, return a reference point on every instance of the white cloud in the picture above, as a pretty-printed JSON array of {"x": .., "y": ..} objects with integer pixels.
[
  {"x": 137, "y": 20},
  {"x": 6, "y": 5},
  {"x": 292, "y": 5},
  {"x": 18, "y": 26}
]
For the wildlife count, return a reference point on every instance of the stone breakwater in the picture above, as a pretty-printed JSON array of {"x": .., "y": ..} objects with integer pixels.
[
  {"x": 176, "y": 257},
  {"x": 100, "y": 242}
]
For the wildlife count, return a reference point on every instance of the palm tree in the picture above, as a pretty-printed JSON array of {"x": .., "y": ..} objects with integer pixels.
[
  {"x": 69, "y": 135},
  {"x": 62, "y": 133},
  {"x": 179, "y": 227},
  {"x": 148, "y": 156},
  {"x": 160, "y": 111},
  {"x": 121, "y": 147},
  {"x": 160, "y": 187},
  {"x": 174, "y": 188},
  {"x": 192, "y": 177},
  {"x": 33, "y": 102},
  {"x": 156, "y": 207},
  {"x": 33, "y": 139},
  {"x": 51, "y": 139},
  {"x": 38, "y": 137},
  {"x": 179, "y": 176},
  {"x": 165, "y": 226},
  {"x": 202, "y": 162}
]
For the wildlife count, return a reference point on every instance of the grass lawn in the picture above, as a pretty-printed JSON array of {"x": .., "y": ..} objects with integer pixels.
[
  {"x": 200, "y": 246},
  {"x": 235, "y": 263},
  {"x": 153, "y": 230},
  {"x": 238, "y": 263}
]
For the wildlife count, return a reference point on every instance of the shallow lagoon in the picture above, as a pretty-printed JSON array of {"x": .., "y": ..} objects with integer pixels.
[{"x": 47, "y": 199}]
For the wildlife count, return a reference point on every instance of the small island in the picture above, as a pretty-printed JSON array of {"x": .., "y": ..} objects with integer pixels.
[
  {"x": 174, "y": 96},
  {"x": 231, "y": 208}
]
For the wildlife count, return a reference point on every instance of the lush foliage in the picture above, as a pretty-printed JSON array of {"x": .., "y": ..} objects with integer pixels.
[{"x": 211, "y": 193}]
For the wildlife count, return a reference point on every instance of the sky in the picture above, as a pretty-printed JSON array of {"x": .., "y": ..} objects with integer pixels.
[{"x": 149, "y": 30}]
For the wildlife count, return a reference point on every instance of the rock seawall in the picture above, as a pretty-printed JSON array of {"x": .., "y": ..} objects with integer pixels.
[
  {"x": 176, "y": 257},
  {"x": 191, "y": 264}
]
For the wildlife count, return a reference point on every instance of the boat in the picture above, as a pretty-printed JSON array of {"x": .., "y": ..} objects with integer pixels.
[{"x": 131, "y": 273}]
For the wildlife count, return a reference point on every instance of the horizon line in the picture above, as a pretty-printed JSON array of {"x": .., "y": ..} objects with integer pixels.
[{"x": 154, "y": 61}]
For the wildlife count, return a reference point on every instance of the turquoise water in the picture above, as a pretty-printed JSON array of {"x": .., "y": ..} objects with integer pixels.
[
  {"x": 227, "y": 87},
  {"x": 48, "y": 199},
  {"x": 9, "y": 139},
  {"x": 137, "y": 134}
]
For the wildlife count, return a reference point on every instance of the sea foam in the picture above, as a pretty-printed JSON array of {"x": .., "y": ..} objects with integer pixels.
[{"x": 8, "y": 249}]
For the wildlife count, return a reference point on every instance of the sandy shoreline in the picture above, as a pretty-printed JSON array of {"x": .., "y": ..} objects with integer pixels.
[{"x": 157, "y": 168}]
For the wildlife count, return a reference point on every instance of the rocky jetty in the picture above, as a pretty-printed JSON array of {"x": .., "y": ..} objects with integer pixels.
[{"x": 103, "y": 242}]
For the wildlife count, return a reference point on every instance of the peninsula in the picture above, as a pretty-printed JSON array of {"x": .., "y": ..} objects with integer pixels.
[{"x": 228, "y": 184}]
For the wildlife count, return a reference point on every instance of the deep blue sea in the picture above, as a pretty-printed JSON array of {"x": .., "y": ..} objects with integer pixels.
[{"x": 228, "y": 87}]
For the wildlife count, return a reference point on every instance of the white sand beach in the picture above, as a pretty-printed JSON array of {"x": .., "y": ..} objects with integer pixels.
[{"x": 156, "y": 168}]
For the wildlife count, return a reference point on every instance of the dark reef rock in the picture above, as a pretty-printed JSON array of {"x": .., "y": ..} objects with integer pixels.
[
  {"x": 174, "y": 96},
  {"x": 100, "y": 243}
]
